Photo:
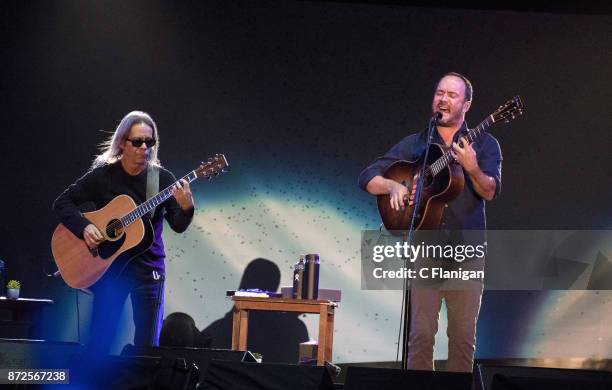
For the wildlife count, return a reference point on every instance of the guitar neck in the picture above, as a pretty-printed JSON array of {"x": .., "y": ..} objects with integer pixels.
[
  {"x": 153, "y": 202},
  {"x": 471, "y": 136}
]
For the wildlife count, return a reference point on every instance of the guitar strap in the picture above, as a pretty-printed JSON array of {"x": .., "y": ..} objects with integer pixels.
[{"x": 152, "y": 184}]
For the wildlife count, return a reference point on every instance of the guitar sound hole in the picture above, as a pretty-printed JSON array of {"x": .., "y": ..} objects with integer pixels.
[{"x": 114, "y": 229}]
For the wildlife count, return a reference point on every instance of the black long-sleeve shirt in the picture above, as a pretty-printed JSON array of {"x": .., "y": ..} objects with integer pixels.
[
  {"x": 101, "y": 185},
  {"x": 466, "y": 211}
]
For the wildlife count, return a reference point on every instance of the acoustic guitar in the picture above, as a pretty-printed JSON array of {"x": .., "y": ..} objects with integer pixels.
[
  {"x": 443, "y": 179},
  {"x": 125, "y": 231}
]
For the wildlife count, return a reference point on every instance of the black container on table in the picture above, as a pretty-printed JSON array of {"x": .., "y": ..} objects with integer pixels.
[{"x": 310, "y": 280}]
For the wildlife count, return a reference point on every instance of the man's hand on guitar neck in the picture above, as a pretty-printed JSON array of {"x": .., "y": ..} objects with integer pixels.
[
  {"x": 465, "y": 155},
  {"x": 92, "y": 236},
  {"x": 182, "y": 194}
]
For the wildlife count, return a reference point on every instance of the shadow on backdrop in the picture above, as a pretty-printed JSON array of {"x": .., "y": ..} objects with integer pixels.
[{"x": 276, "y": 336}]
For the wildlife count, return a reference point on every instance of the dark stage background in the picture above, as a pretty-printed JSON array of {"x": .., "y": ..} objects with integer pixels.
[{"x": 301, "y": 96}]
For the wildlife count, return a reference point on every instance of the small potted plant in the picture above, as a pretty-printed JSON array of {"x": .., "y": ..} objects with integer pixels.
[{"x": 12, "y": 289}]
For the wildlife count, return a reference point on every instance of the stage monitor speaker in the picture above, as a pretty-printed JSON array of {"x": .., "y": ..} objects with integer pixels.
[
  {"x": 201, "y": 357},
  {"x": 265, "y": 376},
  {"x": 133, "y": 372},
  {"x": 490, "y": 377},
  {"x": 22, "y": 353},
  {"x": 367, "y": 378}
]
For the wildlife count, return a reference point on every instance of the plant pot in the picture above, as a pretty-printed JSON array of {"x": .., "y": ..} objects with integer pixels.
[{"x": 12, "y": 293}]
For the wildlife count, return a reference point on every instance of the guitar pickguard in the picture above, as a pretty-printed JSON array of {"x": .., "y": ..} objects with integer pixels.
[
  {"x": 119, "y": 264},
  {"x": 109, "y": 248}
]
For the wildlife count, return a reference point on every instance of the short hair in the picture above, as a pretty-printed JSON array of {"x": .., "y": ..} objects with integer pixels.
[{"x": 469, "y": 90}]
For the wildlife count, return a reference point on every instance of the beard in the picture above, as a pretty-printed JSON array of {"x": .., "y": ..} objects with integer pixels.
[{"x": 450, "y": 119}]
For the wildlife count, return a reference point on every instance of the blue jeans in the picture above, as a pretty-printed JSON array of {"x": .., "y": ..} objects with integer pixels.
[{"x": 146, "y": 289}]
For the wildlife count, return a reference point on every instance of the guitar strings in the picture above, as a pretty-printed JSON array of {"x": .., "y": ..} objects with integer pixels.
[
  {"x": 138, "y": 212},
  {"x": 445, "y": 159}
]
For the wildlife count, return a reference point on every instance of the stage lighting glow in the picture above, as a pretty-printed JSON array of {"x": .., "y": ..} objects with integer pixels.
[{"x": 209, "y": 258}]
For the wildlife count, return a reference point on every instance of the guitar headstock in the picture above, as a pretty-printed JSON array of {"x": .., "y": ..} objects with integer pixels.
[
  {"x": 212, "y": 167},
  {"x": 509, "y": 110}
]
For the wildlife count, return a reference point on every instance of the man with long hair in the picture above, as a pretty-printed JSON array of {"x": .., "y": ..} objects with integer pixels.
[{"x": 124, "y": 167}]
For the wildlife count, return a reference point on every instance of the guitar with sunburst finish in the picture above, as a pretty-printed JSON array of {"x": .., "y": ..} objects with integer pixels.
[{"x": 443, "y": 181}]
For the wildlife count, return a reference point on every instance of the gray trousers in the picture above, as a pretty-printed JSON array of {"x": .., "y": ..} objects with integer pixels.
[{"x": 463, "y": 307}]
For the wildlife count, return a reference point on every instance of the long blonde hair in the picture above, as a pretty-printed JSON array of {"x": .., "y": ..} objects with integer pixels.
[{"x": 111, "y": 148}]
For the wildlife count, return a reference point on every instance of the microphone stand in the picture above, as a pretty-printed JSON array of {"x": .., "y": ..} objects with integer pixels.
[{"x": 408, "y": 239}]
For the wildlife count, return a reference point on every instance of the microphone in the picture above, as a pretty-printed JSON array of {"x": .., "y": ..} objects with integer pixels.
[{"x": 436, "y": 116}]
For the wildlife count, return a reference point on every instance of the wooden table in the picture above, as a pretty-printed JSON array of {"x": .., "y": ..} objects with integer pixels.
[{"x": 325, "y": 309}]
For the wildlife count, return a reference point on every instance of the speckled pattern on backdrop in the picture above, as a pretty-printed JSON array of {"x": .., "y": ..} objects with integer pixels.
[{"x": 300, "y": 96}]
